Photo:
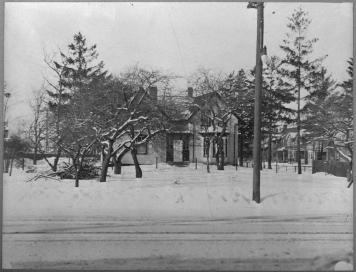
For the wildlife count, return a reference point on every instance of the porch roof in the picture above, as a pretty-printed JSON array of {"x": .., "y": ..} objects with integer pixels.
[{"x": 180, "y": 132}]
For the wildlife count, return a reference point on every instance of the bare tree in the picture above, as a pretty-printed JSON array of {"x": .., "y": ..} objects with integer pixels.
[
  {"x": 130, "y": 120},
  {"x": 79, "y": 136},
  {"x": 38, "y": 128},
  {"x": 57, "y": 106},
  {"x": 216, "y": 116},
  {"x": 123, "y": 109},
  {"x": 215, "y": 113}
]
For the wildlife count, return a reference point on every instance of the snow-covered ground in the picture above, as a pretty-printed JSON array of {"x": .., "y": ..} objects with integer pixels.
[
  {"x": 177, "y": 192},
  {"x": 179, "y": 217}
]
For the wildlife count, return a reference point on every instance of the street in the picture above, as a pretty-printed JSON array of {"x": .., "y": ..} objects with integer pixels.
[{"x": 246, "y": 243}]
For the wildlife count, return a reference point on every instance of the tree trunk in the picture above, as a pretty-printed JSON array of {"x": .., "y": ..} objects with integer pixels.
[
  {"x": 77, "y": 178},
  {"x": 79, "y": 168},
  {"x": 306, "y": 156},
  {"x": 12, "y": 161},
  {"x": 241, "y": 151},
  {"x": 321, "y": 151},
  {"x": 221, "y": 160},
  {"x": 269, "y": 155},
  {"x": 104, "y": 168},
  {"x": 117, "y": 162},
  {"x": 7, "y": 165},
  {"x": 106, "y": 162},
  {"x": 220, "y": 154},
  {"x": 137, "y": 165},
  {"x": 35, "y": 156},
  {"x": 117, "y": 166},
  {"x": 207, "y": 156},
  {"x": 56, "y": 160}
]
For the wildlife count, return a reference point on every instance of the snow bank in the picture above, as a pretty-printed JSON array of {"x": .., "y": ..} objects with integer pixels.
[
  {"x": 343, "y": 266},
  {"x": 177, "y": 192}
]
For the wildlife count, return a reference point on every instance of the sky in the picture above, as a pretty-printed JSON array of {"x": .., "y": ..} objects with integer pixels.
[{"x": 174, "y": 37}]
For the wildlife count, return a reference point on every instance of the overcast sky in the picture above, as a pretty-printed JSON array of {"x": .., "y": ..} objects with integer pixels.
[{"x": 174, "y": 37}]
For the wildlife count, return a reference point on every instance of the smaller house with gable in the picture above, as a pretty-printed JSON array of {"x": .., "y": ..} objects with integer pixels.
[{"x": 186, "y": 140}]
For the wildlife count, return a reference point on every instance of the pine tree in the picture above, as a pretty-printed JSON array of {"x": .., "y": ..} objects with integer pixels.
[
  {"x": 297, "y": 66},
  {"x": 277, "y": 94},
  {"x": 83, "y": 81},
  {"x": 240, "y": 96},
  {"x": 328, "y": 114},
  {"x": 344, "y": 108},
  {"x": 318, "y": 110}
]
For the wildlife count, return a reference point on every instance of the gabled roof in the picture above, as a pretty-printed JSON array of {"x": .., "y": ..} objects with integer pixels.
[
  {"x": 189, "y": 106},
  {"x": 179, "y": 110}
]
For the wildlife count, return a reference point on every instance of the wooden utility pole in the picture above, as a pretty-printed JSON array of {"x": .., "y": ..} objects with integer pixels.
[
  {"x": 298, "y": 111},
  {"x": 258, "y": 97}
]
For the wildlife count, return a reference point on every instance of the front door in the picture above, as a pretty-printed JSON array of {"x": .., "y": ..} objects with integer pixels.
[
  {"x": 169, "y": 154},
  {"x": 186, "y": 149},
  {"x": 177, "y": 150}
]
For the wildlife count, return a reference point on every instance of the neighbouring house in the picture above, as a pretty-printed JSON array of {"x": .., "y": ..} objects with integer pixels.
[
  {"x": 322, "y": 149},
  {"x": 189, "y": 128},
  {"x": 286, "y": 145}
]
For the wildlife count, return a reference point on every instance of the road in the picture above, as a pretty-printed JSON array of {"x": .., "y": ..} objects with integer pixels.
[{"x": 249, "y": 243}]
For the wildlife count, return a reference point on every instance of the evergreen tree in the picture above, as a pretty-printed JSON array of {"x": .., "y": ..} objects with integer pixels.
[
  {"x": 239, "y": 94},
  {"x": 297, "y": 66},
  {"x": 318, "y": 110},
  {"x": 277, "y": 94},
  {"x": 328, "y": 114},
  {"x": 344, "y": 108},
  {"x": 82, "y": 81}
]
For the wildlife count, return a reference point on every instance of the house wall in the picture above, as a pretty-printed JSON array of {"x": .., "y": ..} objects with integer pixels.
[
  {"x": 232, "y": 143},
  {"x": 155, "y": 149}
]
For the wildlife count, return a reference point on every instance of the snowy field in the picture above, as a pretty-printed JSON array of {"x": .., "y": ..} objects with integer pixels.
[
  {"x": 179, "y": 217},
  {"x": 177, "y": 192}
]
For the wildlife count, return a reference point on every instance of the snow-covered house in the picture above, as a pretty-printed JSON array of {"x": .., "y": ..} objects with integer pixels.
[
  {"x": 286, "y": 146},
  {"x": 186, "y": 139},
  {"x": 323, "y": 149}
]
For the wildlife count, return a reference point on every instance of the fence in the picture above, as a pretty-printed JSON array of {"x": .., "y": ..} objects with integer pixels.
[
  {"x": 335, "y": 168},
  {"x": 278, "y": 167}
]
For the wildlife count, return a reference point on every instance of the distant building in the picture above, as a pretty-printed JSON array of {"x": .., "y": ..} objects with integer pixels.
[{"x": 324, "y": 149}]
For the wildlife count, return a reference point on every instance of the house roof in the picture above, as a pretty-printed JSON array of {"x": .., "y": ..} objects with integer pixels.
[{"x": 189, "y": 106}]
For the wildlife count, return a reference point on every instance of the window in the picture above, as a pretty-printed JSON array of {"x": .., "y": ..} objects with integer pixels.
[
  {"x": 142, "y": 149},
  {"x": 214, "y": 148},
  {"x": 205, "y": 121}
]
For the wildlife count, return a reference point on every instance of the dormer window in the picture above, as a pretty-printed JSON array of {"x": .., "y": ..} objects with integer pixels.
[{"x": 205, "y": 121}]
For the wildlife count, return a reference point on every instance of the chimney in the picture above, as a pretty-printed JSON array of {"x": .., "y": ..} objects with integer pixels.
[
  {"x": 153, "y": 92},
  {"x": 190, "y": 92}
]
